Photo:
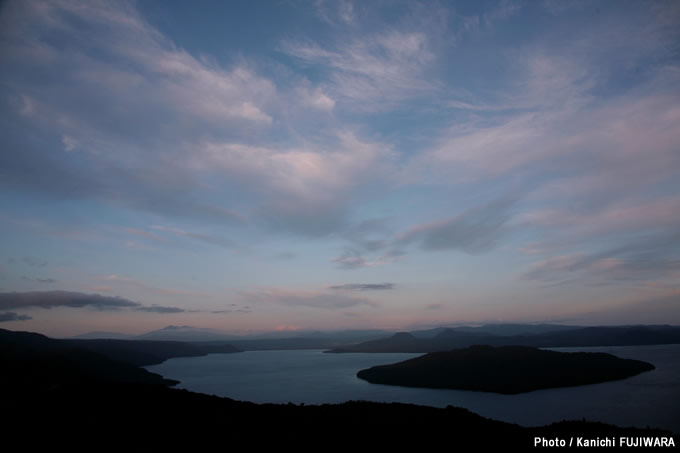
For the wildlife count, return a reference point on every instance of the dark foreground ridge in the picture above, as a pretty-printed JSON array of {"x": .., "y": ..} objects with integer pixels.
[
  {"x": 133, "y": 352},
  {"x": 54, "y": 397},
  {"x": 506, "y": 369}
]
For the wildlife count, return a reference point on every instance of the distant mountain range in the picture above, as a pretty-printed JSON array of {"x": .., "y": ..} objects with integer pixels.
[
  {"x": 269, "y": 340},
  {"x": 541, "y": 337},
  {"x": 428, "y": 340},
  {"x": 191, "y": 333}
]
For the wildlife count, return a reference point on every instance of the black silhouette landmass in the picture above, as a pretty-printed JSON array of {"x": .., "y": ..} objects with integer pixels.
[
  {"x": 55, "y": 396},
  {"x": 454, "y": 338},
  {"x": 506, "y": 369},
  {"x": 133, "y": 352}
]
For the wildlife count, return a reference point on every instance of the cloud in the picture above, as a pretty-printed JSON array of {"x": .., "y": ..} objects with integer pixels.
[
  {"x": 50, "y": 299},
  {"x": 239, "y": 310},
  {"x": 370, "y": 234},
  {"x": 646, "y": 257},
  {"x": 144, "y": 234},
  {"x": 373, "y": 71},
  {"x": 53, "y": 299},
  {"x": 40, "y": 280},
  {"x": 150, "y": 97},
  {"x": 176, "y": 134},
  {"x": 363, "y": 286},
  {"x": 285, "y": 255},
  {"x": 213, "y": 240},
  {"x": 11, "y": 316},
  {"x": 316, "y": 98},
  {"x": 300, "y": 171},
  {"x": 562, "y": 116},
  {"x": 474, "y": 231},
  {"x": 304, "y": 190},
  {"x": 336, "y": 12},
  {"x": 103, "y": 289},
  {"x": 34, "y": 262},
  {"x": 658, "y": 309},
  {"x": 131, "y": 282},
  {"x": 201, "y": 87},
  {"x": 160, "y": 309},
  {"x": 620, "y": 217},
  {"x": 301, "y": 298},
  {"x": 354, "y": 259}
]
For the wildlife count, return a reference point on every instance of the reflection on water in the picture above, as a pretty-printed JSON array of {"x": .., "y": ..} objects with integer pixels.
[{"x": 312, "y": 377}]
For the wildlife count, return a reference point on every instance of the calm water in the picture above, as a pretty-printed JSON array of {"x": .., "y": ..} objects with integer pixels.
[{"x": 312, "y": 377}]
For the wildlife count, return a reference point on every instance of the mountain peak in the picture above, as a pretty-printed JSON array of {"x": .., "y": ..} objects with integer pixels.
[{"x": 403, "y": 336}]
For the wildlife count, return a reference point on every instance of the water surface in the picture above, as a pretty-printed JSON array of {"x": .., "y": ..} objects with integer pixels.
[{"x": 313, "y": 377}]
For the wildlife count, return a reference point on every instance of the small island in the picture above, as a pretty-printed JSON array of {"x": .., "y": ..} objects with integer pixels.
[{"x": 506, "y": 369}]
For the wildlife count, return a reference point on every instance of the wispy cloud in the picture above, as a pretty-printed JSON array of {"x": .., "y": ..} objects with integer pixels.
[
  {"x": 213, "y": 240},
  {"x": 354, "y": 259},
  {"x": 54, "y": 299},
  {"x": 144, "y": 234},
  {"x": 302, "y": 190},
  {"x": 338, "y": 12},
  {"x": 161, "y": 309},
  {"x": 373, "y": 71},
  {"x": 363, "y": 286},
  {"x": 51, "y": 299},
  {"x": 151, "y": 97},
  {"x": 476, "y": 230},
  {"x": 31, "y": 261},
  {"x": 10, "y": 316},
  {"x": 40, "y": 280},
  {"x": 649, "y": 258},
  {"x": 235, "y": 310},
  {"x": 134, "y": 283},
  {"x": 306, "y": 298}
]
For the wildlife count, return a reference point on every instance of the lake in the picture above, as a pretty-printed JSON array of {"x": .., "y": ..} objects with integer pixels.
[{"x": 313, "y": 377}]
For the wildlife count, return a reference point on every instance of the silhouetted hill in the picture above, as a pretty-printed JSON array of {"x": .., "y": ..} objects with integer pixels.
[
  {"x": 143, "y": 352},
  {"x": 264, "y": 341},
  {"x": 133, "y": 417},
  {"x": 185, "y": 334},
  {"x": 102, "y": 335},
  {"x": 263, "y": 344},
  {"x": 578, "y": 337},
  {"x": 35, "y": 362},
  {"x": 506, "y": 369},
  {"x": 134, "y": 352},
  {"x": 402, "y": 341},
  {"x": 516, "y": 329}
]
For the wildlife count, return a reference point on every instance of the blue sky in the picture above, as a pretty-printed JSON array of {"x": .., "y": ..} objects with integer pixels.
[{"x": 292, "y": 165}]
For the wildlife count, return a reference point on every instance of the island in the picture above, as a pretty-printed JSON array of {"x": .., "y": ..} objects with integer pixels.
[{"x": 506, "y": 369}]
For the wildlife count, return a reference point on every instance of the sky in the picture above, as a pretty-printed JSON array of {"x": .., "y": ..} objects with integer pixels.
[{"x": 293, "y": 165}]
